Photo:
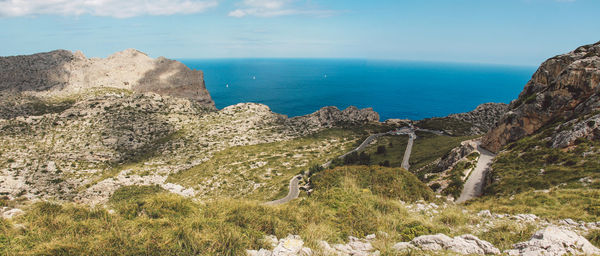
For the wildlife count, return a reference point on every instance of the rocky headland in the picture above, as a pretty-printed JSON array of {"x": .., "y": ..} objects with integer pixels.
[{"x": 63, "y": 72}]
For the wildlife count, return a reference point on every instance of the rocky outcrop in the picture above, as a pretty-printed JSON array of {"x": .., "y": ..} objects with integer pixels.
[
  {"x": 456, "y": 154},
  {"x": 292, "y": 245},
  {"x": 554, "y": 241},
  {"x": 484, "y": 117},
  {"x": 328, "y": 117},
  {"x": 355, "y": 246},
  {"x": 8, "y": 213},
  {"x": 59, "y": 72},
  {"x": 475, "y": 122},
  {"x": 465, "y": 244},
  {"x": 570, "y": 131},
  {"x": 563, "y": 88}
]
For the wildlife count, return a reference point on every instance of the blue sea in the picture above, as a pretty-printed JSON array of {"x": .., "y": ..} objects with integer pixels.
[{"x": 395, "y": 89}]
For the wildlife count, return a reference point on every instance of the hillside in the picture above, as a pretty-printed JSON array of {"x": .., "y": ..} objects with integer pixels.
[
  {"x": 548, "y": 142},
  {"x": 128, "y": 156}
]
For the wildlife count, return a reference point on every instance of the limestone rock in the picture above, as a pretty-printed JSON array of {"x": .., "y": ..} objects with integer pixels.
[
  {"x": 61, "y": 72},
  {"x": 355, "y": 246},
  {"x": 484, "y": 117},
  {"x": 564, "y": 87},
  {"x": 455, "y": 155},
  {"x": 465, "y": 244},
  {"x": 331, "y": 116},
  {"x": 554, "y": 241},
  {"x": 475, "y": 122},
  {"x": 11, "y": 213},
  {"x": 292, "y": 245},
  {"x": 568, "y": 132}
]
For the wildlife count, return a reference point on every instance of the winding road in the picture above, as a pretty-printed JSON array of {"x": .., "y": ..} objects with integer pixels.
[
  {"x": 294, "y": 190},
  {"x": 293, "y": 193},
  {"x": 474, "y": 185}
]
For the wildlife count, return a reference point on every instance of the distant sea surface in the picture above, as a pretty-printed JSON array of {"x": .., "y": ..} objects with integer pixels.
[{"x": 395, "y": 89}]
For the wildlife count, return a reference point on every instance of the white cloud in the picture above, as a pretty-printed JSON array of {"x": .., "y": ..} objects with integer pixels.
[
  {"x": 272, "y": 8},
  {"x": 112, "y": 8}
]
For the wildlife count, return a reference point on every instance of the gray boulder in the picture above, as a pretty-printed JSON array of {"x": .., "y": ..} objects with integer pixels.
[
  {"x": 8, "y": 213},
  {"x": 292, "y": 245},
  {"x": 355, "y": 247},
  {"x": 465, "y": 244},
  {"x": 552, "y": 241}
]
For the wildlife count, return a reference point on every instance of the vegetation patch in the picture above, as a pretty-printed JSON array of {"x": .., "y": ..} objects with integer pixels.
[
  {"x": 452, "y": 126},
  {"x": 457, "y": 178},
  {"x": 235, "y": 171},
  {"x": 382, "y": 181},
  {"x": 530, "y": 164},
  {"x": 556, "y": 204},
  {"x": 428, "y": 147}
]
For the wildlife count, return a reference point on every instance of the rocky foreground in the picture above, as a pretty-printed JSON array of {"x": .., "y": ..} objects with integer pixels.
[{"x": 552, "y": 239}]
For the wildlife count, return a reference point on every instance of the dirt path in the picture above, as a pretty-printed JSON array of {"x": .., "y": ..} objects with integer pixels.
[{"x": 474, "y": 185}]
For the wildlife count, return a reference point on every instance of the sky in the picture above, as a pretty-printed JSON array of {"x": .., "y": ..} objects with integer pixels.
[{"x": 511, "y": 32}]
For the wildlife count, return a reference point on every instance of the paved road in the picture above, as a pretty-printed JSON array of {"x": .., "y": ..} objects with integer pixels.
[
  {"x": 362, "y": 146},
  {"x": 293, "y": 193},
  {"x": 294, "y": 189},
  {"x": 474, "y": 185},
  {"x": 407, "y": 152}
]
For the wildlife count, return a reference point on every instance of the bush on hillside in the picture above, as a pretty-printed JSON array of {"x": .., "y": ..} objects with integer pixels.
[{"x": 381, "y": 181}]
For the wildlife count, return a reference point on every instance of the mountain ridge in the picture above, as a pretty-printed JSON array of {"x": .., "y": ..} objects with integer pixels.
[
  {"x": 62, "y": 72},
  {"x": 564, "y": 88}
]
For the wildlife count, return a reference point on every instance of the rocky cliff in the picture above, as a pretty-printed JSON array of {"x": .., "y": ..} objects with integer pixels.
[
  {"x": 484, "y": 117},
  {"x": 328, "y": 117},
  {"x": 564, "y": 89},
  {"x": 61, "y": 72},
  {"x": 475, "y": 122}
]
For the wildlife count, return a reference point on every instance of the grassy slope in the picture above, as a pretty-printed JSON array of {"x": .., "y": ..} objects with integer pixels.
[
  {"x": 237, "y": 169},
  {"x": 427, "y": 148},
  {"x": 394, "y": 153},
  {"x": 351, "y": 200},
  {"x": 451, "y": 125},
  {"x": 531, "y": 177}
]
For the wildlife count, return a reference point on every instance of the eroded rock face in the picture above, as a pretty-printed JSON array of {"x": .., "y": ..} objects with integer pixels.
[
  {"x": 331, "y": 116},
  {"x": 568, "y": 132},
  {"x": 62, "y": 71},
  {"x": 563, "y": 88},
  {"x": 554, "y": 241},
  {"x": 456, "y": 154},
  {"x": 484, "y": 117}
]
